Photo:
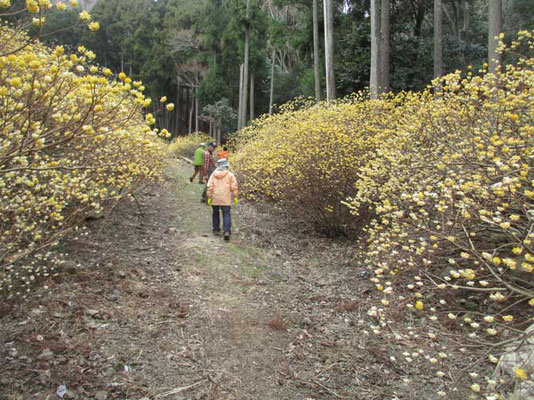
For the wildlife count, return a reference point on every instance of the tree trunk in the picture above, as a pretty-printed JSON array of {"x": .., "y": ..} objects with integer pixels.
[
  {"x": 465, "y": 24},
  {"x": 245, "y": 69},
  {"x": 196, "y": 110},
  {"x": 495, "y": 28},
  {"x": 177, "y": 111},
  {"x": 240, "y": 105},
  {"x": 191, "y": 111},
  {"x": 375, "y": 55},
  {"x": 316, "y": 60},
  {"x": 384, "y": 47},
  {"x": 251, "y": 96},
  {"x": 438, "y": 38},
  {"x": 329, "y": 50},
  {"x": 271, "y": 94}
]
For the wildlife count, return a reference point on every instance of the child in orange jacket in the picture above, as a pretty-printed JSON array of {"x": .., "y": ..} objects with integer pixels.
[
  {"x": 223, "y": 153},
  {"x": 222, "y": 187}
]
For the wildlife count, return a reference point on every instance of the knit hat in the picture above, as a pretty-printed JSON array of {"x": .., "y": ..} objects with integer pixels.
[{"x": 223, "y": 163}]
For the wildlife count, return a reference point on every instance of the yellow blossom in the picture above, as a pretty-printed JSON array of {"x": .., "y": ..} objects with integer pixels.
[
  {"x": 38, "y": 21},
  {"x": 84, "y": 16},
  {"x": 32, "y": 6},
  {"x": 520, "y": 373},
  {"x": 94, "y": 26}
]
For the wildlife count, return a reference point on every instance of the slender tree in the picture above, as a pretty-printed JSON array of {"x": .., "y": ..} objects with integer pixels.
[
  {"x": 438, "y": 38},
  {"x": 495, "y": 28},
  {"x": 240, "y": 104},
  {"x": 375, "y": 49},
  {"x": 245, "y": 69},
  {"x": 316, "y": 60},
  {"x": 385, "y": 47},
  {"x": 251, "y": 96},
  {"x": 271, "y": 92},
  {"x": 329, "y": 50}
]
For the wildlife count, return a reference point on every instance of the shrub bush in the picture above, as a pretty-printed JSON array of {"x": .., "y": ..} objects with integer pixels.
[
  {"x": 71, "y": 141},
  {"x": 307, "y": 160},
  {"x": 185, "y": 146},
  {"x": 444, "y": 185},
  {"x": 454, "y": 194}
]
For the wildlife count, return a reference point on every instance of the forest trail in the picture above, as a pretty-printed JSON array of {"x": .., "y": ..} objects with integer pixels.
[{"x": 154, "y": 306}]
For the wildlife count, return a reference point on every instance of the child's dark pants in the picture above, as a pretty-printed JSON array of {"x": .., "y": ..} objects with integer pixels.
[{"x": 227, "y": 219}]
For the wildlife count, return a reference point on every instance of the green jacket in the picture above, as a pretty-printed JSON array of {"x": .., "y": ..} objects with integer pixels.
[{"x": 198, "y": 156}]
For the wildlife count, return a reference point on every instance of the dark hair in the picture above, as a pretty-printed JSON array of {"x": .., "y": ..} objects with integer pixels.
[{"x": 225, "y": 148}]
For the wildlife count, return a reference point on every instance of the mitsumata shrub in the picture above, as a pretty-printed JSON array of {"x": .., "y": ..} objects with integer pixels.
[
  {"x": 308, "y": 159},
  {"x": 443, "y": 183},
  {"x": 71, "y": 141},
  {"x": 185, "y": 146}
]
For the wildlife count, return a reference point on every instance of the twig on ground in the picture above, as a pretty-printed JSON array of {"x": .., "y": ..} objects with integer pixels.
[
  {"x": 328, "y": 389},
  {"x": 180, "y": 390}
]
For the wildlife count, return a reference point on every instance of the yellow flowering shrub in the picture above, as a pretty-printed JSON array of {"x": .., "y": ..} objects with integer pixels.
[
  {"x": 444, "y": 182},
  {"x": 454, "y": 196},
  {"x": 308, "y": 159},
  {"x": 185, "y": 146},
  {"x": 71, "y": 142}
]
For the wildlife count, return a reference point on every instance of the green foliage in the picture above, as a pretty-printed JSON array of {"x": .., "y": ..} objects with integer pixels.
[{"x": 221, "y": 112}]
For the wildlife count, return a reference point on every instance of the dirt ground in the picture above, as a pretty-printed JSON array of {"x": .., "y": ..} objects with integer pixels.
[{"x": 151, "y": 305}]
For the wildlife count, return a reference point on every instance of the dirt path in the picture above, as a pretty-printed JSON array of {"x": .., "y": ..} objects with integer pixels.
[{"x": 154, "y": 306}]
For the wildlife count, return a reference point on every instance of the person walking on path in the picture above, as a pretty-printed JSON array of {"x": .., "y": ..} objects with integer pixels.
[
  {"x": 223, "y": 153},
  {"x": 198, "y": 164},
  {"x": 208, "y": 167},
  {"x": 222, "y": 187}
]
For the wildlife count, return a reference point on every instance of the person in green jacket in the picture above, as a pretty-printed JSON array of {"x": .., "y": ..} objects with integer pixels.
[{"x": 198, "y": 163}]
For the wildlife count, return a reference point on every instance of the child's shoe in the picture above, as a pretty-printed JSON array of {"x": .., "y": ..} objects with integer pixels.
[{"x": 227, "y": 236}]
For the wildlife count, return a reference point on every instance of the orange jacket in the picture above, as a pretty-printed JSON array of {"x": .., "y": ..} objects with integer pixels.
[
  {"x": 222, "y": 154},
  {"x": 221, "y": 186}
]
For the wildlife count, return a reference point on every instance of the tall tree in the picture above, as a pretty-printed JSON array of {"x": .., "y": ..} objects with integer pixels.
[
  {"x": 494, "y": 29},
  {"x": 251, "y": 108},
  {"x": 240, "y": 104},
  {"x": 329, "y": 50},
  {"x": 438, "y": 38},
  {"x": 316, "y": 60},
  {"x": 385, "y": 47},
  {"x": 375, "y": 49},
  {"x": 243, "y": 111},
  {"x": 271, "y": 91}
]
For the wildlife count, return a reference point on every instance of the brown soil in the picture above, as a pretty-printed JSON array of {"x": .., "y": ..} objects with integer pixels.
[{"x": 153, "y": 305}]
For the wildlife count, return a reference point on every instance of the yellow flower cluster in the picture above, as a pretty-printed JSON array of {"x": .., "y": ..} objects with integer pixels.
[
  {"x": 185, "y": 146},
  {"x": 41, "y": 7},
  {"x": 71, "y": 143},
  {"x": 442, "y": 180}
]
